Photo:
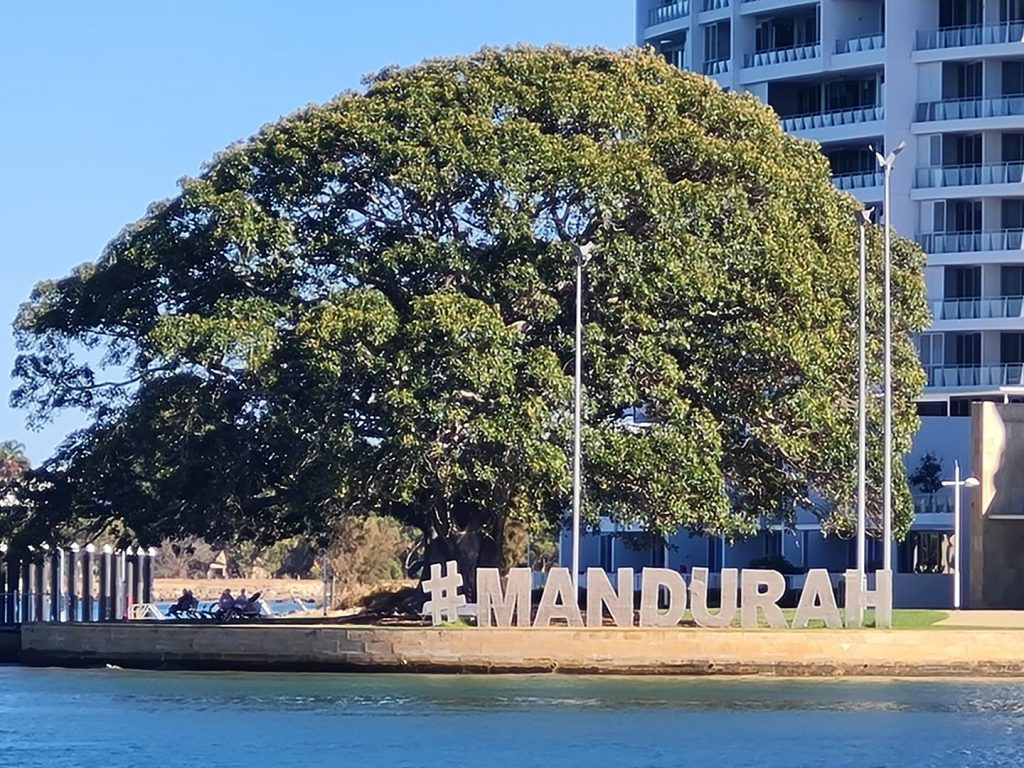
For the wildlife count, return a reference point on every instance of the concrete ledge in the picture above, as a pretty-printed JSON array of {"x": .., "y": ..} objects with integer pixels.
[
  {"x": 10, "y": 645},
  {"x": 596, "y": 651}
]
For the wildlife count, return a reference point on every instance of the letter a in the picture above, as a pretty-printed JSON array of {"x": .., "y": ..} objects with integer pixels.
[
  {"x": 817, "y": 601},
  {"x": 558, "y": 601}
]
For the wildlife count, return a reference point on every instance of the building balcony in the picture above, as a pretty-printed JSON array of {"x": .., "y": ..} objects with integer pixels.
[
  {"x": 833, "y": 119},
  {"x": 668, "y": 12},
  {"x": 979, "y": 308},
  {"x": 782, "y": 55},
  {"x": 933, "y": 504},
  {"x": 960, "y": 37},
  {"x": 975, "y": 376},
  {"x": 970, "y": 242},
  {"x": 716, "y": 67},
  {"x": 713, "y": 5},
  {"x": 860, "y": 44},
  {"x": 969, "y": 175},
  {"x": 970, "y": 109},
  {"x": 862, "y": 180}
]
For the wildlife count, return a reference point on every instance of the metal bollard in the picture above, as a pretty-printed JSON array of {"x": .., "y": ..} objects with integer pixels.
[
  {"x": 87, "y": 601},
  {"x": 119, "y": 592},
  {"x": 12, "y": 588},
  {"x": 147, "y": 574},
  {"x": 4, "y": 618},
  {"x": 26, "y": 589},
  {"x": 53, "y": 561},
  {"x": 71, "y": 574},
  {"x": 39, "y": 588},
  {"x": 106, "y": 584}
]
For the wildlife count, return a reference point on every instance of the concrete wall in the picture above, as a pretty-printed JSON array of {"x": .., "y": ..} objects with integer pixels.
[
  {"x": 612, "y": 651},
  {"x": 996, "y": 529},
  {"x": 10, "y": 645}
]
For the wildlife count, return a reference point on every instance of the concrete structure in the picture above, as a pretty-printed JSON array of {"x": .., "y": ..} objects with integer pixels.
[
  {"x": 997, "y": 513},
  {"x": 947, "y": 77},
  {"x": 949, "y": 652}
]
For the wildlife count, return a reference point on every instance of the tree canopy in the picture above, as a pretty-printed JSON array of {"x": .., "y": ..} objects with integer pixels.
[{"x": 368, "y": 307}]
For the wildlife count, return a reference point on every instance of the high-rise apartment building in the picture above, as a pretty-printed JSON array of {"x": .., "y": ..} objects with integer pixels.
[{"x": 946, "y": 77}]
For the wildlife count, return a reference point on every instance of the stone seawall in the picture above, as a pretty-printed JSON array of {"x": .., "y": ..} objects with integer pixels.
[
  {"x": 596, "y": 651},
  {"x": 10, "y": 645}
]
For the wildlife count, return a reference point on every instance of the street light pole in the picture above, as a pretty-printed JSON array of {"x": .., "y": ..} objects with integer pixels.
[
  {"x": 582, "y": 251},
  {"x": 957, "y": 485},
  {"x": 886, "y": 163},
  {"x": 863, "y": 219}
]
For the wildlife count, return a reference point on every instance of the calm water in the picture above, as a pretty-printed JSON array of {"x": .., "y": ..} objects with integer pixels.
[{"x": 110, "y": 718}]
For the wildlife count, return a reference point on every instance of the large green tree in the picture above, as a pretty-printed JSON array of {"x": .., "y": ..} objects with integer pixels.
[{"x": 368, "y": 307}]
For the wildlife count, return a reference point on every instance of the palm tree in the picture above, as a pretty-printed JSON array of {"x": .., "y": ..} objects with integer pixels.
[{"x": 13, "y": 461}]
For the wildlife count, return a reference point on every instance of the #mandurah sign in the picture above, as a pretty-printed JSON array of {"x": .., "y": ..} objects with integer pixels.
[{"x": 664, "y": 598}]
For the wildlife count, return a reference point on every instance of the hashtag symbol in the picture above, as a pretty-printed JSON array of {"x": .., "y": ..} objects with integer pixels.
[{"x": 443, "y": 593}]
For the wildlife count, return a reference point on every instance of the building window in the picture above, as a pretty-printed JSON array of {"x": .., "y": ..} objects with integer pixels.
[
  {"x": 930, "y": 348},
  {"x": 962, "y": 282},
  {"x": 1013, "y": 214},
  {"x": 1011, "y": 348},
  {"x": 1013, "y": 78},
  {"x": 773, "y": 543},
  {"x": 966, "y": 348},
  {"x": 932, "y": 408},
  {"x": 926, "y": 552},
  {"x": 1011, "y": 280},
  {"x": 607, "y": 544},
  {"x": 960, "y": 13},
  {"x": 1011, "y": 11},
  {"x": 714, "y": 554}
]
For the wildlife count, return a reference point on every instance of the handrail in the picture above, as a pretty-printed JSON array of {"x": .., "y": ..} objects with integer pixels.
[
  {"x": 978, "y": 308},
  {"x": 976, "y": 34}
]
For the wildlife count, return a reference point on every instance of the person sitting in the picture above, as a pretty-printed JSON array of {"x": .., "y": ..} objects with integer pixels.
[
  {"x": 182, "y": 606},
  {"x": 225, "y": 605},
  {"x": 242, "y": 602}
]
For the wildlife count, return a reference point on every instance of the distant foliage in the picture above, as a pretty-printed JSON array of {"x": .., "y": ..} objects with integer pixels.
[{"x": 927, "y": 477}]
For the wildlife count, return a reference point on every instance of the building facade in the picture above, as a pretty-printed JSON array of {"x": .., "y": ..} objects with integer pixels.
[{"x": 947, "y": 78}]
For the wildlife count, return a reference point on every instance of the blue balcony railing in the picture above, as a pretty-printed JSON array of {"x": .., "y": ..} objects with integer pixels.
[
  {"x": 964, "y": 376},
  {"x": 833, "y": 119},
  {"x": 714, "y": 5},
  {"x": 979, "y": 308},
  {"x": 782, "y": 55},
  {"x": 668, "y": 12},
  {"x": 958, "y": 37},
  {"x": 716, "y": 67},
  {"x": 969, "y": 175},
  {"x": 860, "y": 180},
  {"x": 969, "y": 242},
  {"x": 859, "y": 44},
  {"x": 968, "y": 109}
]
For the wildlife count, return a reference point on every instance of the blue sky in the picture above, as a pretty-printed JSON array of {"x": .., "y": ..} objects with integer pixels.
[{"x": 105, "y": 105}]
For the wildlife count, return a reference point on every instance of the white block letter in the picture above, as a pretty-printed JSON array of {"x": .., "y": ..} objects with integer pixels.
[
  {"x": 558, "y": 601},
  {"x": 601, "y": 594},
  {"x": 652, "y": 580},
  {"x": 858, "y": 598},
  {"x": 513, "y": 602},
  {"x": 753, "y": 598},
  {"x": 817, "y": 601},
  {"x": 699, "y": 598}
]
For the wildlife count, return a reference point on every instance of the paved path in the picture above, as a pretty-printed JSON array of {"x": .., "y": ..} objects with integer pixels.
[{"x": 986, "y": 619}]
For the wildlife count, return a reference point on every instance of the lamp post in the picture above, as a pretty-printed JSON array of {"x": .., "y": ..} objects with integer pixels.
[
  {"x": 863, "y": 220},
  {"x": 957, "y": 484},
  {"x": 582, "y": 252},
  {"x": 886, "y": 163}
]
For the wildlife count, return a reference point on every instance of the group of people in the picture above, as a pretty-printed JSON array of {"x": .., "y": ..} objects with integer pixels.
[
  {"x": 227, "y": 605},
  {"x": 243, "y": 604}
]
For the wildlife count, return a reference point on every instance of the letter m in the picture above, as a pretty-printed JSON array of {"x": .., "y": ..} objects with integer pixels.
[{"x": 513, "y": 601}]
